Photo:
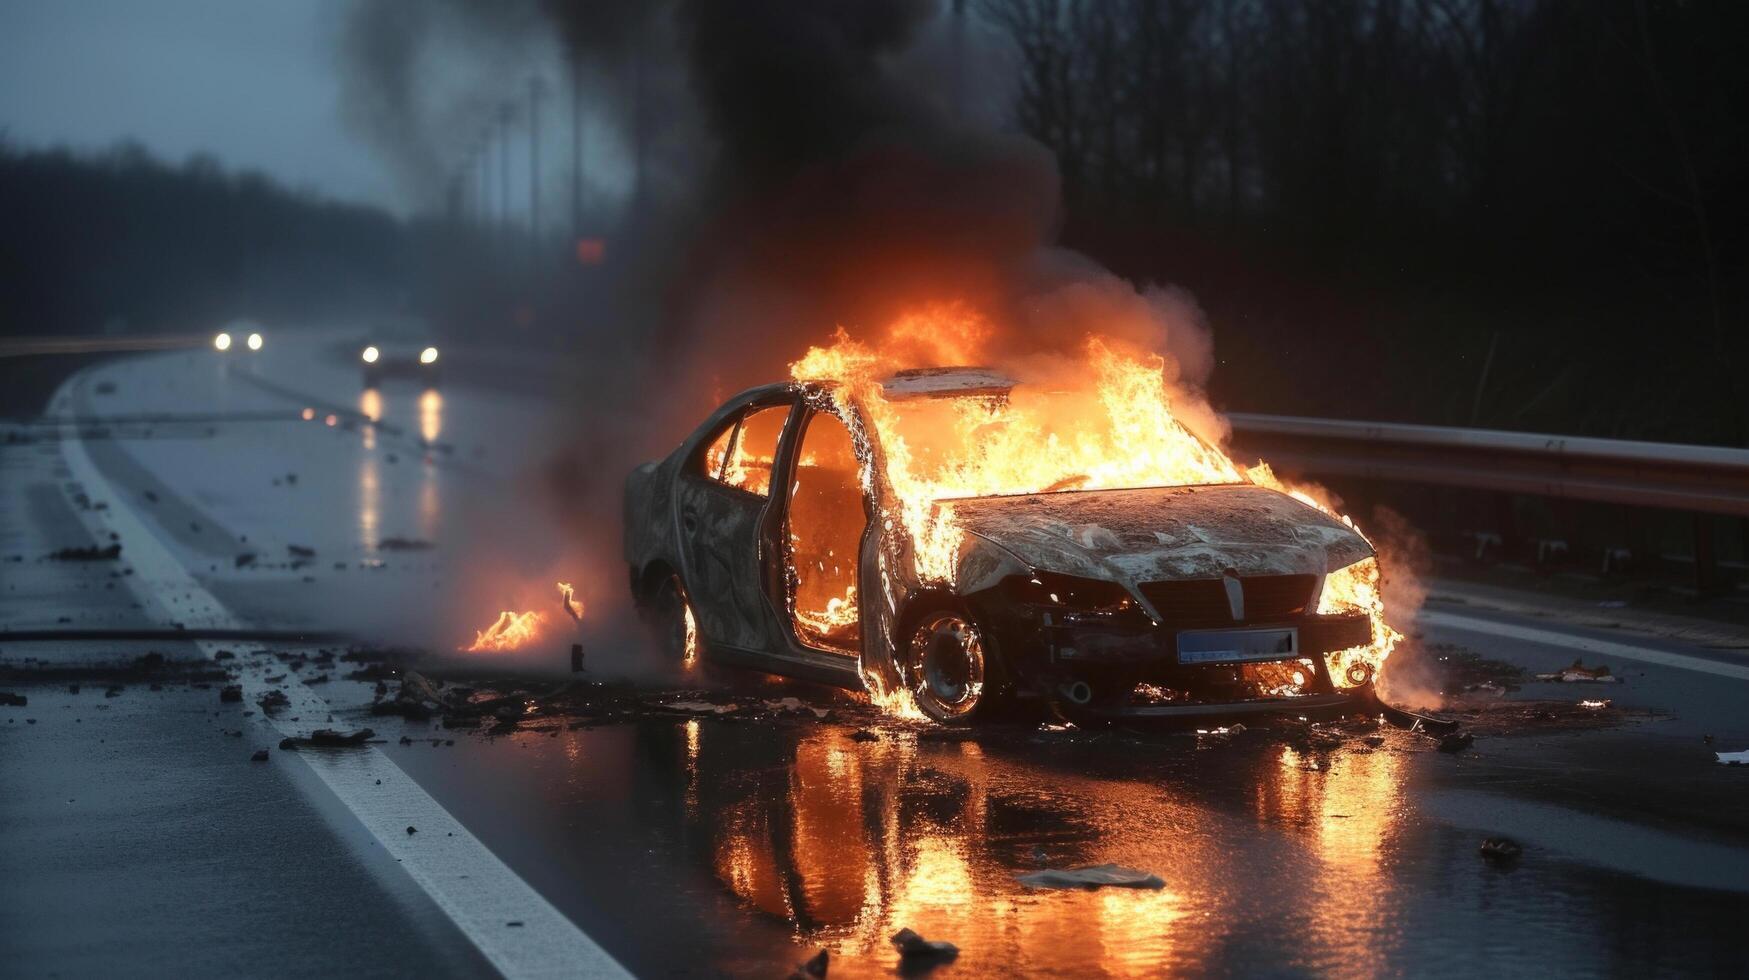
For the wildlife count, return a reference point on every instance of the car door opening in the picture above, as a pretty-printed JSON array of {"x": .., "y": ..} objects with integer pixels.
[{"x": 823, "y": 531}]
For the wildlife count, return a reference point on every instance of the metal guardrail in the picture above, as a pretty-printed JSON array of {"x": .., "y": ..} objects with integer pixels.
[
  {"x": 39, "y": 346},
  {"x": 1698, "y": 479}
]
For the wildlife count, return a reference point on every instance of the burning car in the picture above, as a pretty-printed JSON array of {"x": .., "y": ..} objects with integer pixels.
[{"x": 1004, "y": 563}]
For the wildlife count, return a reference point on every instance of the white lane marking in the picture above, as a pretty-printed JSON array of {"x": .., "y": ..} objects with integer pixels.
[
  {"x": 1586, "y": 644},
  {"x": 476, "y": 889}
]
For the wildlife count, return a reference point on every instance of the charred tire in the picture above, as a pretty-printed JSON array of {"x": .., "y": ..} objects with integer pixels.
[{"x": 950, "y": 667}]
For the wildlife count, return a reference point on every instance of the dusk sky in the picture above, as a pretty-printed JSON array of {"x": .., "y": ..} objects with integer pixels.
[{"x": 253, "y": 83}]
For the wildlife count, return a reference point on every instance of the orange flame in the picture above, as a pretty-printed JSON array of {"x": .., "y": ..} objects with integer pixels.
[
  {"x": 568, "y": 599},
  {"x": 690, "y": 655},
  {"x": 509, "y": 632}
]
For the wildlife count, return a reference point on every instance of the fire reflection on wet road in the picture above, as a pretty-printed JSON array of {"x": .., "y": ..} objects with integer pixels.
[
  {"x": 1274, "y": 860},
  {"x": 853, "y": 842}
]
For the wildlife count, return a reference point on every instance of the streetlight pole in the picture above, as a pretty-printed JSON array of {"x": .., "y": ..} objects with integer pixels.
[
  {"x": 576, "y": 149},
  {"x": 534, "y": 94},
  {"x": 504, "y": 112}
]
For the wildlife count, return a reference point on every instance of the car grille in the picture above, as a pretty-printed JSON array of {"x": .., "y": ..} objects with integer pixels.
[{"x": 1197, "y": 603}]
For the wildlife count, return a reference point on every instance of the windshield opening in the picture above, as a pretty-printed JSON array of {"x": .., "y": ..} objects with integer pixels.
[{"x": 1034, "y": 439}]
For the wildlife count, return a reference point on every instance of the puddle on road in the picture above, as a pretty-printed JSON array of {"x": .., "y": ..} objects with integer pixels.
[{"x": 749, "y": 845}]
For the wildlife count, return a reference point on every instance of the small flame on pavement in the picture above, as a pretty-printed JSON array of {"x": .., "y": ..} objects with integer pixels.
[
  {"x": 568, "y": 598},
  {"x": 510, "y": 631},
  {"x": 899, "y": 703},
  {"x": 690, "y": 656}
]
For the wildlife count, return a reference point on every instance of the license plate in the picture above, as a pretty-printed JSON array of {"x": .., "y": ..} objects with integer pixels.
[{"x": 1237, "y": 646}]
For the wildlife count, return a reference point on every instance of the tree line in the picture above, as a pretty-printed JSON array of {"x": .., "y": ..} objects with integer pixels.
[
  {"x": 1517, "y": 213},
  {"x": 119, "y": 242}
]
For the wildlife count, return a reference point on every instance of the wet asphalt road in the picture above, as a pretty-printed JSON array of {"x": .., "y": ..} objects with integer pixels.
[{"x": 143, "y": 840}]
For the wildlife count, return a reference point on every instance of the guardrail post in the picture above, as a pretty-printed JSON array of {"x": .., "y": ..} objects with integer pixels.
[
  {"x": 1506, "y": 524},
  {"x": 1706, "y": 563}
]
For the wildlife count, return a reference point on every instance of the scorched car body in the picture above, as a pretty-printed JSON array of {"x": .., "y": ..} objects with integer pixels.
[{"x": 1150, "y": 602}]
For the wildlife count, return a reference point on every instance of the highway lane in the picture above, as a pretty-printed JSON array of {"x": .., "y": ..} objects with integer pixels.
[{"x": 704, "y": 846}]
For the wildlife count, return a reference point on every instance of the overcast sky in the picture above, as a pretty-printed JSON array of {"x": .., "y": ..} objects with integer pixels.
[{"x": 251, "y": 81}]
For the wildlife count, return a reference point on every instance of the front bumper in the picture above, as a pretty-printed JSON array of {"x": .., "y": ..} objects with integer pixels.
[
  {"x": 1095, "y": 666},
  {"x": 1084, "y": 641}
]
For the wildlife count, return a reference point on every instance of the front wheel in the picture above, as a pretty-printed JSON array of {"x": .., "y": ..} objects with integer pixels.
[{"x": 948, "y": 667}]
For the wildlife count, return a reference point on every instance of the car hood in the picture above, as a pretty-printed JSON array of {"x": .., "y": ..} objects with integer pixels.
[{"x": 1157, "y": 533}]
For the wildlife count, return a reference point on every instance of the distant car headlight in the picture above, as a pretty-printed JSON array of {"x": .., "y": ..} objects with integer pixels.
[
  {"x": 222, "y": 341},
  {"x": 254, "y": 341},
  {"x": 370, "y": 355},
  {"x": 428, "y": 356}
]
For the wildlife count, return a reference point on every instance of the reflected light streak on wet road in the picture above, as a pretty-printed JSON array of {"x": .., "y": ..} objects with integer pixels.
[{"x": 430, "y": 414}]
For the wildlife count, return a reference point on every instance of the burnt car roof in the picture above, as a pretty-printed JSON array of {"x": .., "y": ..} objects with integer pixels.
[{"x": 946, "y": 382}]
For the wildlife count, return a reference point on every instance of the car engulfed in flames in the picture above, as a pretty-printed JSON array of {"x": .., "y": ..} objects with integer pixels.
[{"x": 955, "y": 541}]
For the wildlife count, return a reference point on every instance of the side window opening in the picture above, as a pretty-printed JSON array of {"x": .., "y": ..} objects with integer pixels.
[
  {"x": 823, "y": 527},
  {"x": 718, "y": 452},
  {"x": 752, "y": 449}
]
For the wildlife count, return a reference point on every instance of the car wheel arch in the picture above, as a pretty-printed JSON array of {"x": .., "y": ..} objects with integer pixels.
[
  {"x": 654, "y": 575},
  {"x": 928, "y": 601}
]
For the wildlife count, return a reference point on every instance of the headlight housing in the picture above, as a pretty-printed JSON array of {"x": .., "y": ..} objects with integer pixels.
[
  {"x": 428, "y": 356},
  {"x": 222, "y": 341},
  {"x": 1074, "y": 594},
  {"x": 370, "y": 355}
]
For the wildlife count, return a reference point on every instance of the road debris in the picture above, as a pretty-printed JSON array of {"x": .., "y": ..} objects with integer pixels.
[
  {"x": 403, "y": 544},
  {"x": 231, "y": 693},
  {"x": 1456, "y": 742},
  {"x": 327, "y": 738},
  {"x": 700, "y": 707},
  {"x": 259, "y": 756},
  {"x": 1501, "y": 850},
  {"x": 1734, "y": 758},
  {"x": 13, "y": 700},
  {"x": 300, "y": 551},
  {"x": 912, "y": 946},
  {"x": 411, "y": 830},
  {"x": 88, "y": 553},
  {"x": 273, "y": 701},
  {"x": 796, "y": 706},
  {"x": 814, "y": 968},
  {"x": 1091, "y": 876},
  {"x": 1578, "y": 673},
  {"x": 1312, "y": 736}
]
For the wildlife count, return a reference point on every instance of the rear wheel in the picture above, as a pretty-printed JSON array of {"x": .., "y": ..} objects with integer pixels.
[
  {"x": 948, "y": 667},
  {"x": 671, "y": 622}
]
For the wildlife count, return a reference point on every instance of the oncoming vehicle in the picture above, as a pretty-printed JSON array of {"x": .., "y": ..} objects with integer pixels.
[
  {"x": 243, "y": 334},
  {"x": 399, "y": 347},
  {"x": 756, "y": 542}
]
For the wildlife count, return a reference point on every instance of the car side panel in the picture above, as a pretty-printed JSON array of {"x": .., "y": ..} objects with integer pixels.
[{"x": 720, "y": 543}]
